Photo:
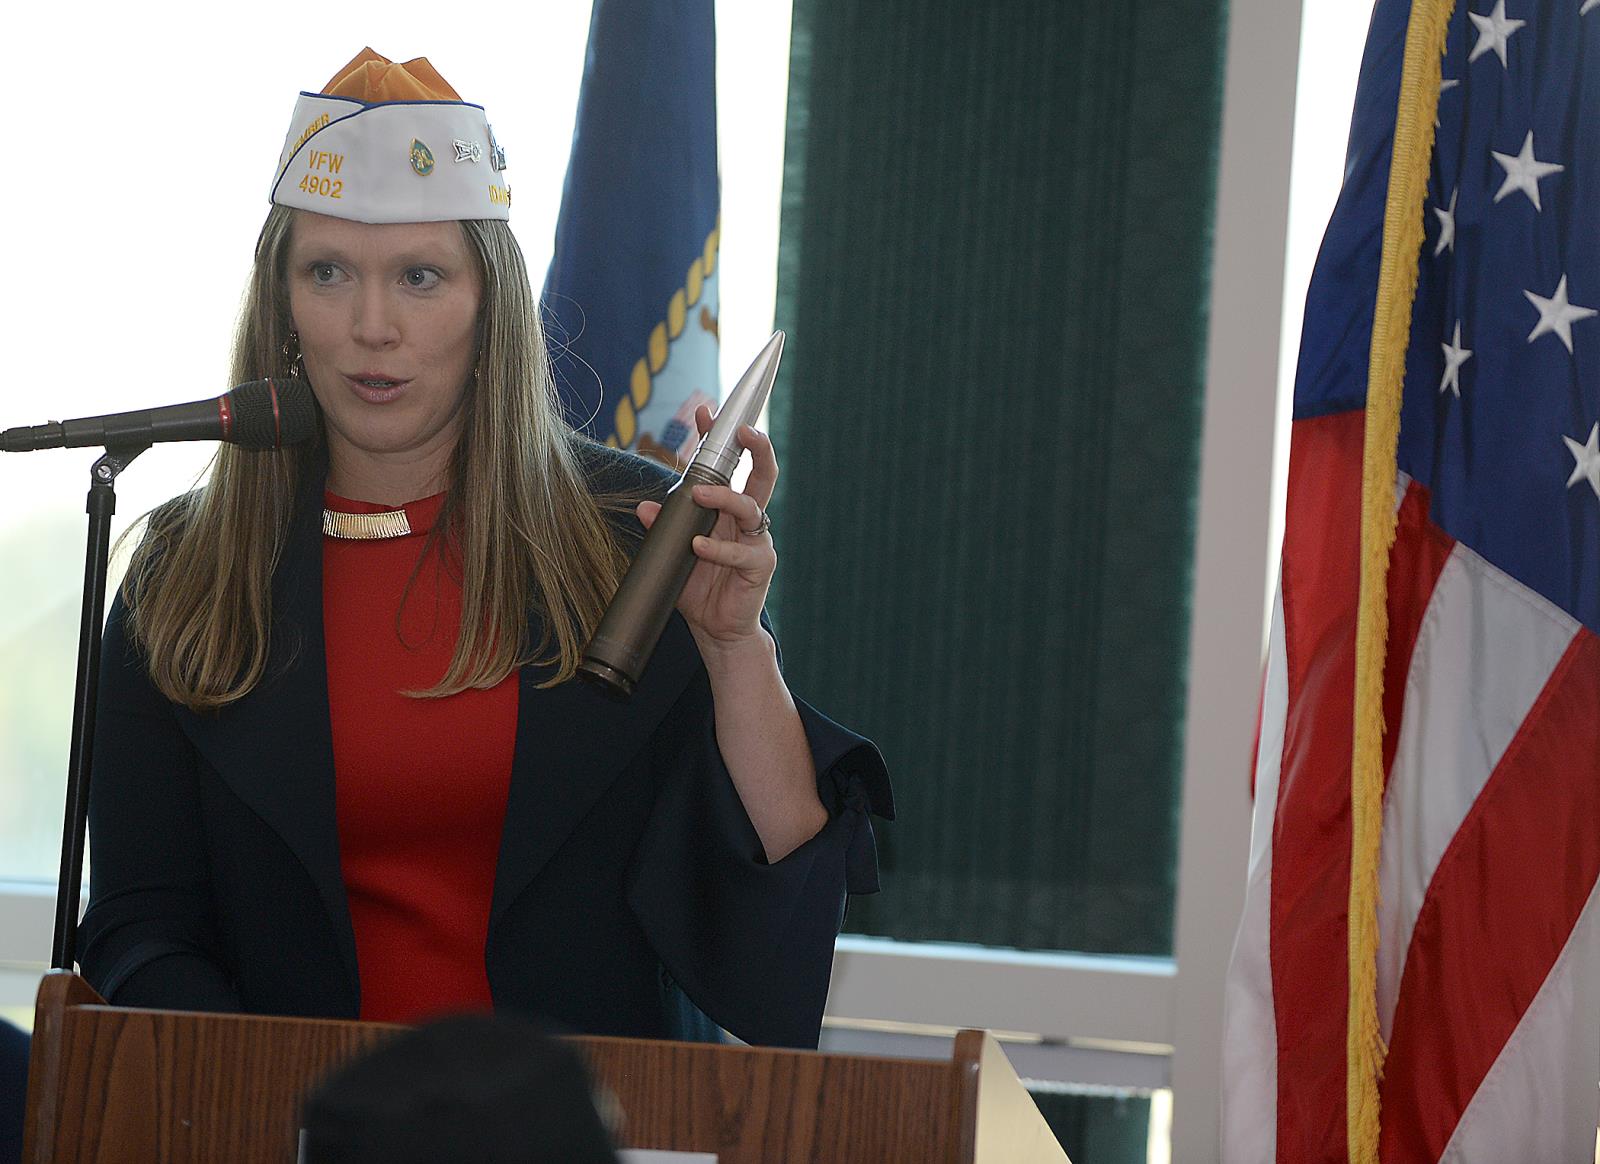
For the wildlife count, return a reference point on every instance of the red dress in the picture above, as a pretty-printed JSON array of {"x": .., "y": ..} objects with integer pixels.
[{"x": 421, "y": 783}]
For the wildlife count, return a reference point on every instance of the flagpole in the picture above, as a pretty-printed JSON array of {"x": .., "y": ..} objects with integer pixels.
[{"x": 1391, "y": 335}]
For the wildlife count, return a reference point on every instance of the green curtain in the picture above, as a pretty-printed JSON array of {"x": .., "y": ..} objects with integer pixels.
[
  {"x": 993, "y": 271},
  {"x": 1095, "y": 1128}
]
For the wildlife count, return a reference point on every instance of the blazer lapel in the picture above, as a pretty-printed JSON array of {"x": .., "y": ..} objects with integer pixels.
[
  {"x": 572, "y": 742},
  {"x": 274, "y": 748}
]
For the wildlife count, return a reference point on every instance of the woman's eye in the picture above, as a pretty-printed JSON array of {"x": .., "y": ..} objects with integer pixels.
[
  {"x": 324, "y": 273},
  {"x": 420, "y": 278}
]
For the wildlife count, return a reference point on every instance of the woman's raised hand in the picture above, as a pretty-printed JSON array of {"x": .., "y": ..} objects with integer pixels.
[{"x": 723, "y": 598}]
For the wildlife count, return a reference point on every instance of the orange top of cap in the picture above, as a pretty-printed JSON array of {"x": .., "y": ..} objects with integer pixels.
[{"x": 372, "y": 77}]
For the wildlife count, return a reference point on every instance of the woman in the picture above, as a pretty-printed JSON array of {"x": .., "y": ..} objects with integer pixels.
[{"x": 341, "y": 767}]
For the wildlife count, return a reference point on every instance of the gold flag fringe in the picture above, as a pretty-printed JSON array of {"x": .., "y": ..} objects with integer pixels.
[{"x": 1391, "y": 335}]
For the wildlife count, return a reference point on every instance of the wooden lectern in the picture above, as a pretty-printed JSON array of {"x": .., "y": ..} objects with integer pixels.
[{"x": 134, "y": 1086}]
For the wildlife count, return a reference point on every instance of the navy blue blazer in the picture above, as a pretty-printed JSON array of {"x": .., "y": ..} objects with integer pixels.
[{"x": 629, "y": 874}]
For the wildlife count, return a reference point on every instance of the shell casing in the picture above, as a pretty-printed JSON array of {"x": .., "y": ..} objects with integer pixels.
[{"x": 628, "y": 632}]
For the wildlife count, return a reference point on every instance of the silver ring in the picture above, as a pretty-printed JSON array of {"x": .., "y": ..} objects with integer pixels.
[{"x": 762, "y": 526}]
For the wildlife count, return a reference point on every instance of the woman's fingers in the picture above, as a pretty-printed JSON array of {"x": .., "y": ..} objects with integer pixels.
[
  {"x": 763, "y": 460},
  {"x": 753, "y": 562},
  {"x": 763, "y": 464},
  {"x": 745, "y": 510}
]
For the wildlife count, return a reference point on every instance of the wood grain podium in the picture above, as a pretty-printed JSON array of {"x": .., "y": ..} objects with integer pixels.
[{"x": 133, "y": 1086}]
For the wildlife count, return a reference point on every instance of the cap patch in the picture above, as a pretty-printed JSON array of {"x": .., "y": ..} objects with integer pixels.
[{"x": 421, "y": 157}]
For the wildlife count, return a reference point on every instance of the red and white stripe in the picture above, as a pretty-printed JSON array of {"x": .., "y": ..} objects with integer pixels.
[
  {"x": 1489, "y": 955},
  {"x": 1252, "y": 1077}
]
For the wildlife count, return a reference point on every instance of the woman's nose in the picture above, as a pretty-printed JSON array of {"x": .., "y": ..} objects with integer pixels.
[{"x": 376, "y": 325}]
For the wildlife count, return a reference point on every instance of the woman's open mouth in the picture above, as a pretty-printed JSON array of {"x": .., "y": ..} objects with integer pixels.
[{"x": 375, "y": 389}]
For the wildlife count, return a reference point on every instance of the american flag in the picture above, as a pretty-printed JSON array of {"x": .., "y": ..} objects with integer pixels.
[{"x": 1488, "y": 957}]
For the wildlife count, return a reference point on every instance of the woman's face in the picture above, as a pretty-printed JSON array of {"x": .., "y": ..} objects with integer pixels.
[{"x": 387, "y": 316}]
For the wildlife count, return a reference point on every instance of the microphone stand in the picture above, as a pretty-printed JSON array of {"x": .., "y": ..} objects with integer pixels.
[{"x": 102, "y": 503}]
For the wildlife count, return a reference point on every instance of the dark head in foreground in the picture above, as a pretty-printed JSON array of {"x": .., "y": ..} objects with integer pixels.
[{"x": 489, "y": 1090}]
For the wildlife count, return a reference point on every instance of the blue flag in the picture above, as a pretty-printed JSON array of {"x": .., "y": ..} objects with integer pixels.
[{"x": 631, "y": 296}]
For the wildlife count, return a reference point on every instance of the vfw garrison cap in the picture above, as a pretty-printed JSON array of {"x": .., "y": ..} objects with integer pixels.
[{"x": 387, "y": 142}]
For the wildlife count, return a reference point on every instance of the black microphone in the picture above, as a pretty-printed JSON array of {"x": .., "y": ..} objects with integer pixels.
[{"x": 263, "y": 414}]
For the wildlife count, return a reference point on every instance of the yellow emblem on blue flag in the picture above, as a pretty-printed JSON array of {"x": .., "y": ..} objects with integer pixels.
[{"x": 631, "y": 298}]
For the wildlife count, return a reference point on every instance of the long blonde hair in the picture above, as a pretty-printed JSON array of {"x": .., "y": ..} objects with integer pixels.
[{"x": 522, "y": 527}]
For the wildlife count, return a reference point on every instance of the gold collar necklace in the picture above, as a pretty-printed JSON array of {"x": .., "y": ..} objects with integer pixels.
[{"x": 365, "y": 526}]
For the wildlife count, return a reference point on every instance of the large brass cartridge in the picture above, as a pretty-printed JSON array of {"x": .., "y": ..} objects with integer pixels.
[{"x": 631, "y": 626}]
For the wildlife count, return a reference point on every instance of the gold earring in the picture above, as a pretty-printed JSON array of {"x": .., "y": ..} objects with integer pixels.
[{"x": 292, "y": 361}]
